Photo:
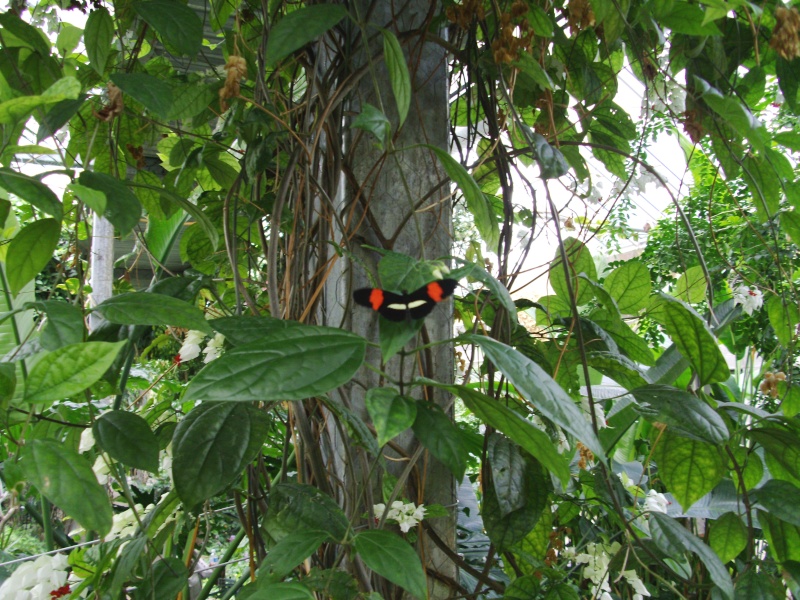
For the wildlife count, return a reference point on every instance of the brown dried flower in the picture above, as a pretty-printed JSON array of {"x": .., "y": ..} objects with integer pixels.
[
  {"x": 785, "y": 40},
  {"x": 235, "y": 69},
  {"x": 579, "y": 15},
  {"x": 769, "y": 385},
  {"x": 692, "y": 125},
  {"x": 114, "y": 106}
]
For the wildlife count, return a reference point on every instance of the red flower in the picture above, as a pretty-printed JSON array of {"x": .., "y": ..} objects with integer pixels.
[
  {"x": 61, "y": 592},
  {"x": 176, "y": 360}
]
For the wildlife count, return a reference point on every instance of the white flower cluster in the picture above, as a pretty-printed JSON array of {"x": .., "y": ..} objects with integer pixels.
[
  {"x": 407, "y": 515},
  {"x": 191, "y": 346},
  {"x": 653, "y": 500},
  {"x": 750, "y": 299},
  {"x": 597, "y": 559},
  {"x": 562, "y": 444},
  {"x": 36, "y": 579}
]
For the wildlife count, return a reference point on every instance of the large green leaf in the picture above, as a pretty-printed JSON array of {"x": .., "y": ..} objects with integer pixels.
[
  {"x": 689, "y": 468},
  {"x": 66, "y": 479},
  {"x": 783, "y": 539},
  {"x": 390, "y": 412},
  {"x": 291, "y": 551},
  {"x": 18, "y": 109},
  {"x": 24, "y": 33},
  {"x": 728, "y": 536},
  {"x": 153, "y": 93},
  {"x": 123, "y": 208},
  {"x": 371, "y": 119},
  {"x": 435, "y": 430},
  {"x": 629, "y": 285},
  {"x": 212, "y": 446},
  {"x": 682, "y": 537},
  {"x": 299, "y": 507},
  {"x": 97, "y": 37},
  {"x": 691, "y": 286},
  {"x": 784, "y": 317},
  {"x": 398, "y": 74},
  {"x": 630, "y": 344},
  {"x": 64, "y": 325},
  {"x": 165, "y": 579},
  {"x": 69, "y": 371},
  {"x": 508, "y": 471},
  {"x": 536, "y": 385},
  {"x": 247, "y": 328},
  {"x": 176, "y": 23},
  {"x": 57, "y": 117},
  {"x": 686, "y": 414},
  {"x": 162, "y": 234},
  {"x": 31, "y": 190},
  {"x": 393, "y": 558},
  {"x": 145, "y": 308},
  {"x": 693, "y": 338},
  {"x": 288, "y": 364},
  {"x": 536, "y": 442},
  {"x": 782, "y": 445},
  {"x": 279, "y": 591},
  {"x": 127, "y": 438},
  {"x": 30, "y": 250},
  {"x": 477, "y": 203},
  {"x": 779, "y": 498},
  {"x": 508, "y": 529},
  {"x": 579, "y": 261},
  {"x": 300, "y": 27}
]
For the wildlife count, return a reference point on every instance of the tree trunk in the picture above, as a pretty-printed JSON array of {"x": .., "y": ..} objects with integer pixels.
[{"x": 402, "y": 195}]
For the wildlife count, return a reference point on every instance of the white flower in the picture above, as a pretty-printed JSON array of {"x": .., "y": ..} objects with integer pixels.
[
  {"x": 35, "y": 579},
  {"x": 214, "y": 348},
  {"x": 598, "y": 412},
  {"x": 101, "y": 469},
  {"x": 749, "y": 298},
  {"x": 637, "y": 584},
  {"x": 655, "y": 502},
  {"x": 191, "y": 345},
  {"x": 407, "y": 515},
  {"x": 562, "y": 444},
  {"x": 87, "y": 441}
]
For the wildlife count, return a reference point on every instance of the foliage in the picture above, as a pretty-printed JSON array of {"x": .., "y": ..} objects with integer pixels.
[{"x": 272, "y": 126}]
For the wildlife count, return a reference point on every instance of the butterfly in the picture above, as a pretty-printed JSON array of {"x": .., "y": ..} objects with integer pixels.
[{"x": 403, "y": 307}]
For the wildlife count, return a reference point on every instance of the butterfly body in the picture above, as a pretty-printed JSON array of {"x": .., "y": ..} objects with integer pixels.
[{"x": 401, "y": 307}]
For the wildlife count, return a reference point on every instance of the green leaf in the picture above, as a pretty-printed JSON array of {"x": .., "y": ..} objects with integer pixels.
[
  {"x": 764, "y": 185},
  {"x": 166, "y": 579},
  {"x": 248, "y": 329},
  {"x": 630, "y": 344},
  {"x": 689, "y": 468},
  {"x": 507, "y": 530},
  {"x": 26, "y": 35},
  {"x": 300, "y": 27},
  {"x": 783, "y": 539},
  {"x": 176, "y": 23},
  {"x": 64, "y": 325},
  {"x": 579, "y": 261},
  {"x": 32, "y": 191},
  {"x": 622, "y": 370},
  {"x": 477, "y": 203},
  {"x": 790, "y": 224},
  {"x": 629, "y": 285},
  {"x": 684, "y": 538},
  {"x": 435, "y": 430},
  {"x": 291, "y": 551},
  {"x": 8, "y": 383},
  {"x": 30, "y": 251},
  {"x": 153, "y": 93},
  {"x": 693, "y": 338},
  {"x": 372, "y": 120},
  {"x": 784, "y": 317},
  {"x": 779, "y": 498},
  {"x": 280, "y": 591},
  {"x": 536, "y": 385},
  {"x": 318, "y": 358},
  {"x": 57, "y": 117},
  {"x": 528, "y": 65},
  {"x": 299, "y": 507},
  {"x": 66, "y": 479},
  {"x": 127, "y": 438},
  {"x": 145, "y": 308},
  {"x": 782, "y": 445},
  {"x": 728, "y": 536},
  {"x": 398, "y": 74},
  {"x": 760, "y": 585},
  {"x": 69, "y": 371},
  {"x": 18, "y": 109},
  {"x": 536, "y": 442},
  {"x": 691, "y": 286},
  {"x": 94, "y": 199},
  {"x": 98, "y": 35},
  {"x": 552, "y": 163},
  {"x": 190, "y": 99},
  {"x": 123, "y": 208},
  {"x": 212, "y": 446},
  {"x": 393, "y": 558},
  {"x": 390, "y": 412},
  {"x": 162, "y": 234},
  {"x": 687, "y": 415},
  {"x": 508, "y": 472},
  {"x": 688, "y": 19}
]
